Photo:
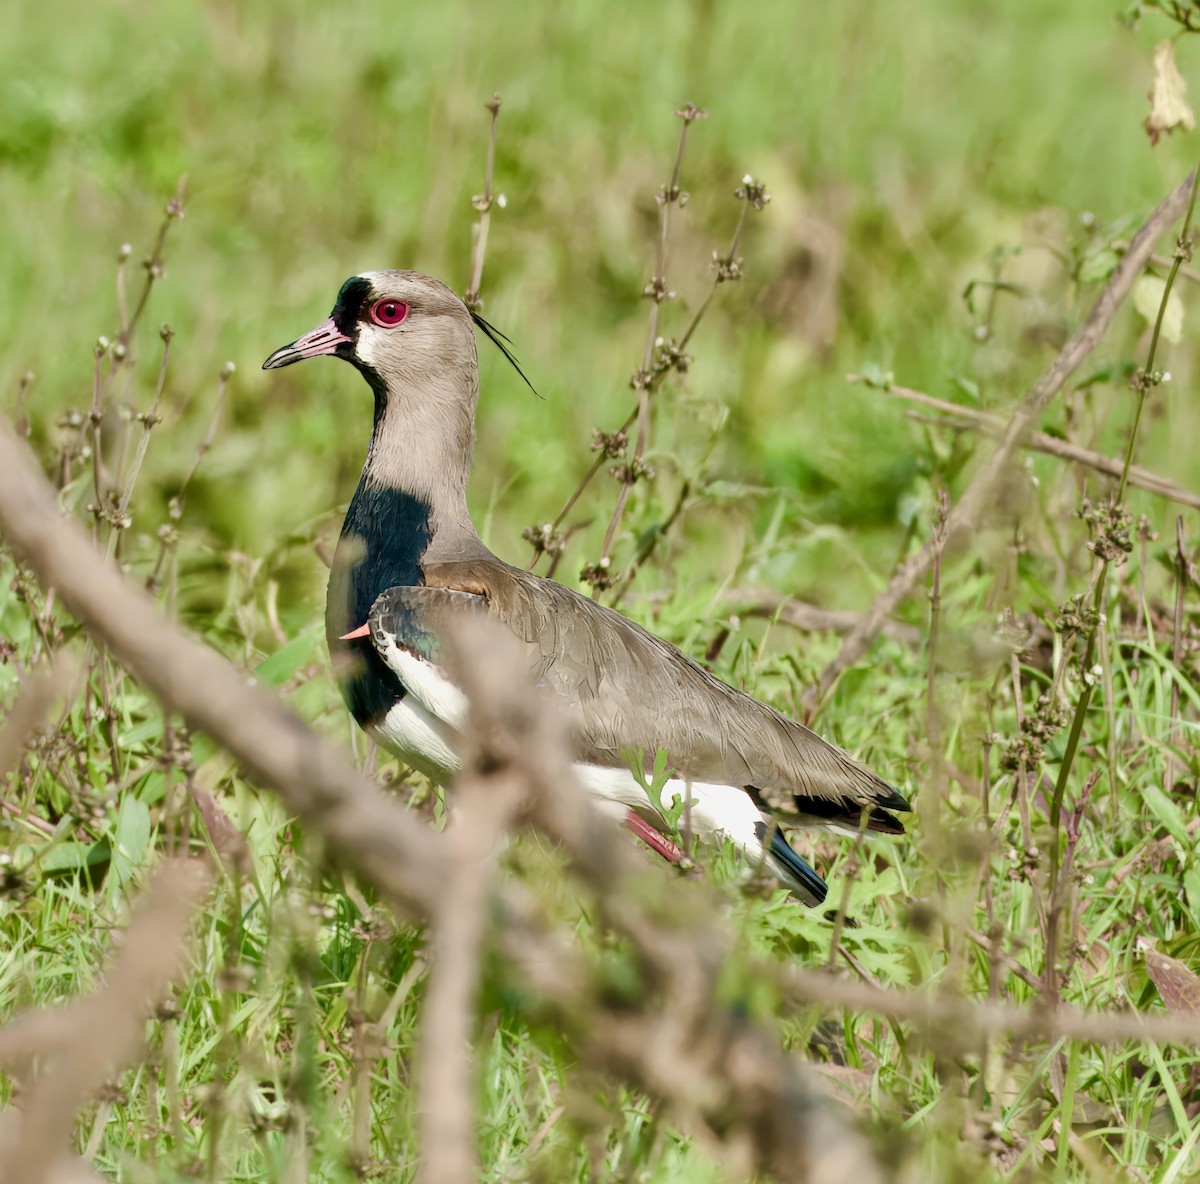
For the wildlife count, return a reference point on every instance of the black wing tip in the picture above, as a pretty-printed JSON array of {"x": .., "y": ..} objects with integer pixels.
[
  {"x": 502, "y": 343},
  {"x": 893, "y": 800},
  {"x": 847, "y": 813},
  {"x": 882, "y": 823},
  {"x": 801, "y": 878}
]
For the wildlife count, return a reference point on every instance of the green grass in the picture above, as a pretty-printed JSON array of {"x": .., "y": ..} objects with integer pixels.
[{"x": 907, "y": 143}]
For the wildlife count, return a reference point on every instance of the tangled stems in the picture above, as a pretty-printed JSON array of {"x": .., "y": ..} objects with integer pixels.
[
  {"x": 1143, "y": 381},
  {"x": 660, "y": 357}
]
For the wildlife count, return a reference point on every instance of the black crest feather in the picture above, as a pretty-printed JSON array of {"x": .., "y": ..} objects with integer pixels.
[{"x": 503, "y": 344}]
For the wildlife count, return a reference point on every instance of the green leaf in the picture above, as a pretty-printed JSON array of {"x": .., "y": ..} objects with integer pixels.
[
  {"x": 284, "y": 663},
  {"x": 874, "y": 375},
  {"x": 672, "y": 811},
  {"x": 965, "y": 386},
  {"x": 65, "y": 857},
  {"x": 1098, "y": 265},
  {"x": 131, "y": 838},
  {"x": 1169, "y": 815},
  {"x": 1147, "y": 299}
]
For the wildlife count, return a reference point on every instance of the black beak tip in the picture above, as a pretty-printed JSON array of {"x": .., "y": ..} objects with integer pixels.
[{"x": 280, "y": 358}]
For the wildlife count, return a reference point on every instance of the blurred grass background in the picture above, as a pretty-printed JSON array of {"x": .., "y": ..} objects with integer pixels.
[
  {"x": 320, "y": 140},
  {"x": 910, "y": 149}
]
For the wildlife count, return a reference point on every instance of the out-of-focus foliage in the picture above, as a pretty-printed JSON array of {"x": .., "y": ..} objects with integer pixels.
[{"x": 951, "y": 183}]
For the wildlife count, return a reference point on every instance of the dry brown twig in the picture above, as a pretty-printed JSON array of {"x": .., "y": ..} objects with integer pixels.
[
  {"x": 315, "y": 779},
  {"x": 660, "y": 357},
  {"x": 27, "y": 713},
  {"x": 993, "y": 425},
  {"x": 758, "y": 602},
  {"x": 1185, "y": 573},
  {"x": 961, "y": 1023},
  {"x": 798, "y": 614},
  {"x": 656, "y": 291},
  {"x": 968, "y": 510},
  {"x": 715, "y": 1071},
  {"x": 81, "y": 1044}
]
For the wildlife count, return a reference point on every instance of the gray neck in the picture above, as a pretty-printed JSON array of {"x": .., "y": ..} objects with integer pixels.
[{"x": 421, "y": 447}]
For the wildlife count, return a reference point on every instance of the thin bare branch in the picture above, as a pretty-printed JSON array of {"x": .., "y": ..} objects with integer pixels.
[
  {"x": 993, "y": 425},
  {"x": 716, "y": 1071},
  {"x": 961, "y": 1023},
  {"x": 314, "y": 778},
  {"x": 29, "y": 711},
  {"x": 968, "y": 511},
  {"x": 483, "y": 204}
]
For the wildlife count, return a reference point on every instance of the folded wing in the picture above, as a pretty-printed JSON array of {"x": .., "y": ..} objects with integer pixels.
[{"x": 626, "y": 690}]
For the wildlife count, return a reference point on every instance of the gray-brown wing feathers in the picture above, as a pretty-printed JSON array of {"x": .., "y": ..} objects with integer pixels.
[{"x": 626, "y": 689}]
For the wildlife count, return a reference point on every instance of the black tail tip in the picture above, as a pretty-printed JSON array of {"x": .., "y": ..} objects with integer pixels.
[{"x": 792, "y": 868}]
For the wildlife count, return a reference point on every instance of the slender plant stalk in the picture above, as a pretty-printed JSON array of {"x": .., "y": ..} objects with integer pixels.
[
  {"x": 483, "y": 203},
  {"x": 658, "y": 292},
  {"x": 1181, "y": 582},
  {"x": 658, "y": 361}
]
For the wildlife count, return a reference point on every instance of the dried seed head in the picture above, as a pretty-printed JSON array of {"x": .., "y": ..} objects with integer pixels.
[
  {"x": 657, "y": 290},
  {"x": 727, "y": 267},
  {"x": 612, "y": 444},
  {"x": 754, "y": 192},
  {"x": 598, "y": 575},
  {"x": 544, "y": 538}
]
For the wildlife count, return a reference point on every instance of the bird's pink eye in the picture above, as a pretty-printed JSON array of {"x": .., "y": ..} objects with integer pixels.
[{"x": 388, "y": 313}]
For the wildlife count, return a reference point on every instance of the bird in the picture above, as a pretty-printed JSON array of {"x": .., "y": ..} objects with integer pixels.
[{"x": 409, "y": 562}]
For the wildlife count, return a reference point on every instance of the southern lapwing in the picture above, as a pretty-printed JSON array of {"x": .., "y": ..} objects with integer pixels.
[{"x": 409, "y": 560}]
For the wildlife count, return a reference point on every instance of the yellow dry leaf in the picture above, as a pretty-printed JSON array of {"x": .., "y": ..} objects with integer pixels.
[
  {"x": 1147, "y": 296},
  {"x": 1168, "y": 108}
]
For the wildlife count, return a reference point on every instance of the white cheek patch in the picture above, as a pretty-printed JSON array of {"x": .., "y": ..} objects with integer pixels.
[{"x": 365, "y": 345}]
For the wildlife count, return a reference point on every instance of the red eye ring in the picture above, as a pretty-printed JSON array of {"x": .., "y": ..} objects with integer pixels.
[{"x": 387, "y": 314}]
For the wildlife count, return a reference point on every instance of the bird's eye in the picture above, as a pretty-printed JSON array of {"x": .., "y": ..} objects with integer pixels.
[{"x": 388, "y": 313}]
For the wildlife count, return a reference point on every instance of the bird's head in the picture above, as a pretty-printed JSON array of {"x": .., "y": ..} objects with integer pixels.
[
  {"x": 401, "y": 329},
  {"x": 397, "y": 327}
]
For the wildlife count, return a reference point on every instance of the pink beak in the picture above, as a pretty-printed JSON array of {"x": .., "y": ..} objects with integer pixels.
[{"x": 324, "y": 339}]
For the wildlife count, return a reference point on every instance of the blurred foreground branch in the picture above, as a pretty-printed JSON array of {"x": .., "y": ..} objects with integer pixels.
[
  {"x": 674, "y": 1036},
  {"x": 80, "y": 1045},
  {"x": 968, "y": 510},
  {"x": 672, "y": 1029},
  {"x": 960, "y": 1024},
  {"x": 29, "y": 711}
]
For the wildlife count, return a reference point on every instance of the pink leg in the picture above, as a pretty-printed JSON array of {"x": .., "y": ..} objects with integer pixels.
[{"x": 656, "y": 842}]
